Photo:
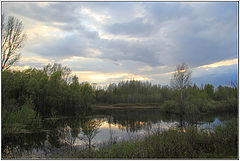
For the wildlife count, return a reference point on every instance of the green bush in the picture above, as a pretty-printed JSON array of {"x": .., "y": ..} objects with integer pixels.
[
  {"x": 210, "y": 106},
  {"x": 229, "y": 105},
  {"x": 23, "y": 118},
  {"x": 191, "y": 108},
  {"x": 169, "y": 106},
  {"x": 226, "y": 138}
]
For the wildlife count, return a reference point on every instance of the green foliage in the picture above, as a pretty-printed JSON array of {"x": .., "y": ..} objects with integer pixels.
[
  {"x": 87, "y": 95},
  {"x": 210, "y": 106},
  {"x": 229, "y": 105},
  {"x": 23, "y": 118},
  {"x": 169, "y": 106},
  {"x": 52, "y": 90},
  {"x": 209, "y": 89},
  {"x": 191, "y": 108},
  {"x": 133, "y": 91},
  {"x": 136, "y": 105},
  {"x": 224, "y": 93},
  {"x": 226, "y": 138},
  {"x": 197, "y": 102}
]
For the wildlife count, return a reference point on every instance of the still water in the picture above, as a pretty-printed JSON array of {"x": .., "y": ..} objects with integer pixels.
[{"x": 61, "y": 135}]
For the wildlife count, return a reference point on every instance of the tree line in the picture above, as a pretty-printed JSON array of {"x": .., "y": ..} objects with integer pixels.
[{"x": 168, "y": 98}]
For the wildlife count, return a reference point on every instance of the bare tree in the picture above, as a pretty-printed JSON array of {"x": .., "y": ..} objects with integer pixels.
[
  {"x": 181, "y": 80},
  {"x": 65, "y": 71},
  {"x": 12, "y": 38},
  {"x": 90, "y": 130}
]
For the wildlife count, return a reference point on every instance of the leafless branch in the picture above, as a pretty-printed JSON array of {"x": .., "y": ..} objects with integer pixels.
[{"x": 12, "y": 38}]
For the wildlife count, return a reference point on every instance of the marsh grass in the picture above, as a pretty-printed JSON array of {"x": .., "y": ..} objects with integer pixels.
[{"x": 222, "y": 143}]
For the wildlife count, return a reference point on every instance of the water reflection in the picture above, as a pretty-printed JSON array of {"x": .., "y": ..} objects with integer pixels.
[
  {"x": 14, "y": 145},
  {"x": 89, "y": 130},
  {"x": 67, "y": 134}
]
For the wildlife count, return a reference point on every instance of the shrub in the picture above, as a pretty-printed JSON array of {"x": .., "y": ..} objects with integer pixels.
[
  {"x": 226, "y": 138},
  {"x": 191, "y": 108},
  {"x": 169, "y": 106},
  {"x": 210, "y": 106},
  {"x": 23, "y": 118}
]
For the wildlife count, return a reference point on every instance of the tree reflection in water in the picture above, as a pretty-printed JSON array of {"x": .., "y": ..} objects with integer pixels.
[
  {"x": 89, "y": 130},
  {"x": 67, "y": 137}
]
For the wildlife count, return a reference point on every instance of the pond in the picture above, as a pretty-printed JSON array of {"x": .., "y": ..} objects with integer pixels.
[{"x": 62, "y": 135}]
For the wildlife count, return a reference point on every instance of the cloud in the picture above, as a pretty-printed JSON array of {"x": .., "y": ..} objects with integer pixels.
[
  {"x": 196, "y": 31},
  {"x": 98, "y": 77},
  {"x": 136, "y": 27},
  {"x": 146, "y": 39},
  {"x": 221, "y": 75},
  {"x": 167, "y": 11},
  {"x": 221, "y": 63},
  {"x": 20, "y": 68},
  {"x": 135, "y": 51},
  {"x": 98, "y": 17},
  {"x": 64, "y": 44},
  {"x": 56, "y": 12},
  {"x": 34, "y": 60}
]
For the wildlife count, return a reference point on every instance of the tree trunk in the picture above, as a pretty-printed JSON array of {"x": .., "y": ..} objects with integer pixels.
[
  {"x": 181, "y": 102},
  {"x": 89, "y": 143}
]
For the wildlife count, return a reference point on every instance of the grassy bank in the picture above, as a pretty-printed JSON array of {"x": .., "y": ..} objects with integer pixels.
[
  {"x": 124, "y": 106},
  {"x": 172, "y": 107},
  {"x": 222, "y": 142}
]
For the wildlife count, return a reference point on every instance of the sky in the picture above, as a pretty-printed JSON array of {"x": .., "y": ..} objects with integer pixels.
[{"x": 106, "y": 42}]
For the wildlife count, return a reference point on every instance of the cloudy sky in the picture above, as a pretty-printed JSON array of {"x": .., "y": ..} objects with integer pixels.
[{"x": 105, "y": 42}]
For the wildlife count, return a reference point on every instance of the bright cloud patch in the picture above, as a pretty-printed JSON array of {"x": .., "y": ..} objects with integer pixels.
[
  {"x": 96, "y": 77},
  {"x": 35, "y": 59},
  {"x": 221, "y": 63},
  {"x": 21, "y": 68}
]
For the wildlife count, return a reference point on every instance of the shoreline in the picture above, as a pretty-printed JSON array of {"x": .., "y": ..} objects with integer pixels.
[{"x": 130, "y": 107}]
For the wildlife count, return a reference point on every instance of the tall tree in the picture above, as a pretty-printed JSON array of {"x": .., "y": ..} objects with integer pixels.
[
  {"x": 64, "y": 71},
  {"x": 12, "y": 38},
  {"x": 181, "y": 80}
]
